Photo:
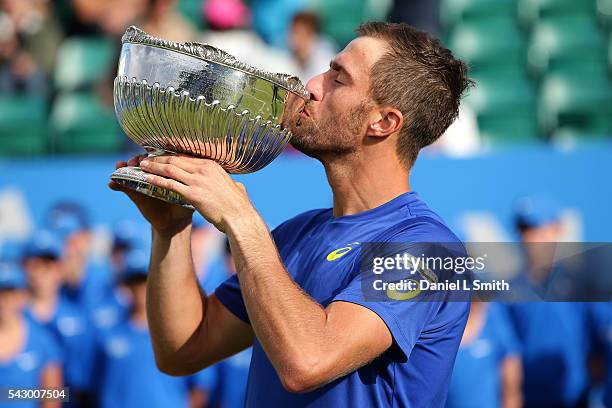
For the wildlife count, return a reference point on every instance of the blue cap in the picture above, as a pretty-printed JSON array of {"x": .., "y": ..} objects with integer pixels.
[
  {"x": 536, "y": 211},
  {"x": 125, "y": 234},
  {"x": 67, "y": 218},
  {"x": 11, "y": 277},
  {"x": 11, "y": 250},
  {"x": 136, "y": 263},
  {"x": 43, "y": 244}
]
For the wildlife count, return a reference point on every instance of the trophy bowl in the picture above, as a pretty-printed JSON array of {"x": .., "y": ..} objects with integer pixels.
[{"x": 195, "y": 99}]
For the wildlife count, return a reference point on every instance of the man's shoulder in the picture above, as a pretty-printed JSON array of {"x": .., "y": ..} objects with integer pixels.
[
  {"x": 301, "y": 221},
  {"x": 426, "y": 227}
]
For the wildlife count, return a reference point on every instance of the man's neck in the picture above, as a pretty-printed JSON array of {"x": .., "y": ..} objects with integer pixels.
[{"x": 361, "y": 184}]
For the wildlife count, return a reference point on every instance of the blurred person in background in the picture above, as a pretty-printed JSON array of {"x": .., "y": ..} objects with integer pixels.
[
  {"x": 310, "y": 49},
  {"x": 113, "y": 306},
  {"x": 83, "y": 17},
  {"x": 229, "y": 29},
  {"x": 125, "y": 373},
  {"x": 87, "y": 279},
  {"x": 163, "y": 20},
  {"x": 110, "y": 17},
  {"x": 208, "y": 253},
  {"x": 43, "y": 269},
  {"x": 231, "y": 375},
  {"x": 487, "y": 370},
  {"x": 462, "y": 138},
  {"x": 29, "y": 39},
  {"x": 271, "y": 19},
  {"x": 38, "y": 30},
  {"x": 29, "y": 355},
  {"x": 555, "y": 337}
]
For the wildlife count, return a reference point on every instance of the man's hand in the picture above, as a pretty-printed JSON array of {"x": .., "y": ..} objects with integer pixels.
[
  {"x": 204, "y": 184},
  {"x": 164, "y": 217}
]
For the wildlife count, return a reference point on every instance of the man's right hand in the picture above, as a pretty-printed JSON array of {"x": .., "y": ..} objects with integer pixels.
[{"x": 165, "y": 218}]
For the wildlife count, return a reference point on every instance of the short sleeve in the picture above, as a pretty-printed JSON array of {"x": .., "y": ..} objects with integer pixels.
[
  {"x": 405, "y": 319},
  {"x": 409, "y": 311},
  {"x": 229, "y": 293},
  {"x": 230, "y": 296}
]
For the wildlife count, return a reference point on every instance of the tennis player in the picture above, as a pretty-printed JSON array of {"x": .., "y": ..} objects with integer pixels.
[{"x": 297, "y": 294}]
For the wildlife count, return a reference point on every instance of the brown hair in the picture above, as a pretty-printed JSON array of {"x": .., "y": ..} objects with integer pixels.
[
  {"x": 307, "y": 18},
  {"x": 419, "y": 77}
]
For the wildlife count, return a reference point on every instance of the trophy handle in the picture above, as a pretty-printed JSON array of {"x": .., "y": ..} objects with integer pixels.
[{"x": 135, "y": 179}]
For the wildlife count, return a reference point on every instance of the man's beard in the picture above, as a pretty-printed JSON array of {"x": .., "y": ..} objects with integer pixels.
[{"x": 333, "y": 137}]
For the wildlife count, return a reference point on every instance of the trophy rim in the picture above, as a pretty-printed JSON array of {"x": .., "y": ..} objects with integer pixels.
[{"x": 210, "y": 53}]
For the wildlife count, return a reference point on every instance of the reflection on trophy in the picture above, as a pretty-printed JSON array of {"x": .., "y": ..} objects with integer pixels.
[{"x": 198, "y": 100}]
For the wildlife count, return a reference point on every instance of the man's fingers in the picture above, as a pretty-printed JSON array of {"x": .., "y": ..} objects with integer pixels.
[
  {"x": 120, "y": 164},
  {"x": 167, "y": 170},
  {"x": 135, "y": 161},
  {"x": 187, "y": 163},
  {"x": 169, "y": 184},
  {"x": 113, "y": 185}
]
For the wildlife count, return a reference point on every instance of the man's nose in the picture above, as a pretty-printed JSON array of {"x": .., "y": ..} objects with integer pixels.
[{"x": 315, "y": 87}]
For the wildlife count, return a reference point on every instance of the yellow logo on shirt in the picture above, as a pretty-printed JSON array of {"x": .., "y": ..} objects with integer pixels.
[
  {"x": 395, "y": 294},
  {"x": 340, "y": 252}
]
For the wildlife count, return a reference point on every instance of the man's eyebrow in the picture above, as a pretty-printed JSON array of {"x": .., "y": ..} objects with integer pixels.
[{"x": 333, "y": 64}]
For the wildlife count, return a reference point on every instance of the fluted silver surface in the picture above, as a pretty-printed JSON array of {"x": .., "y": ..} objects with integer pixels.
[{"x": 196, "y": 99}]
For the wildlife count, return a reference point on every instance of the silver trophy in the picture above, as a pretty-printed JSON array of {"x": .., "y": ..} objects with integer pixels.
[{"x": 196, "y": 99}]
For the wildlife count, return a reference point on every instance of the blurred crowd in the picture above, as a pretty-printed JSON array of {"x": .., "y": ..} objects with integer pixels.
[{"x": 72, "y": 312}]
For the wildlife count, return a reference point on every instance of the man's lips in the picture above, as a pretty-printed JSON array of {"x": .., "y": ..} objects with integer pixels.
[{"x": 304, "y": 113}]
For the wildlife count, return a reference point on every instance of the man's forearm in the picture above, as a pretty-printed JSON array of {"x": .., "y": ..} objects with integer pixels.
[
  {"x": 174, "y": 299},
  {"x": 287, "y": 322}
]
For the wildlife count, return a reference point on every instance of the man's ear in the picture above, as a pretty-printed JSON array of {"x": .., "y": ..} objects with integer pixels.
[{"x": 389, "y": 121}]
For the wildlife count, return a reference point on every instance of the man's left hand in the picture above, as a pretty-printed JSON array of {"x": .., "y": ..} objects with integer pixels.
[{"x": 204, "y": 184}]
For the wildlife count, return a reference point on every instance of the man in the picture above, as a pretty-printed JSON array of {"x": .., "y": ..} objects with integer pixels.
[
  {"x": 63, "y": 318},
  {"x": 297, "y": 294},
  {"x": 487, "y": 371},
  {"x": 86, "y": 279},
  {"x": 310, "y": 49},
  {"x": 125, "y": 373},
  {"x": 230, "y": 377},
  {"x": 554, "y": 336},
  {"x": 29, "y": 356}
]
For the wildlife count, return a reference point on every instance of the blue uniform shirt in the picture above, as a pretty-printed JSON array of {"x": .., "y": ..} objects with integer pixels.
[
  {"x": 316, "y": 250},
  {"x": 26, "y": 368},
  {"x": 555, "y": 340},
  {"x": 476, "y": 376},
  {"x": 127, "y": 375},
  {"x": 75, "y": 336}
]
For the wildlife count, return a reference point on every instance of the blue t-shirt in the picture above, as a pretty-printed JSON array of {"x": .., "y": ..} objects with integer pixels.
[
  {"x": 126, "y": 373},
  {"x": 96, "y": 283},
  {"x": 321, "y": 253},
  {"x": 75, "y": 336},
  {"x": 555, "y": 340},
  {"x": 476, "y": 376},
  {"x": 111, "y": 310},
  {"x": 25, "y": 369}
]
